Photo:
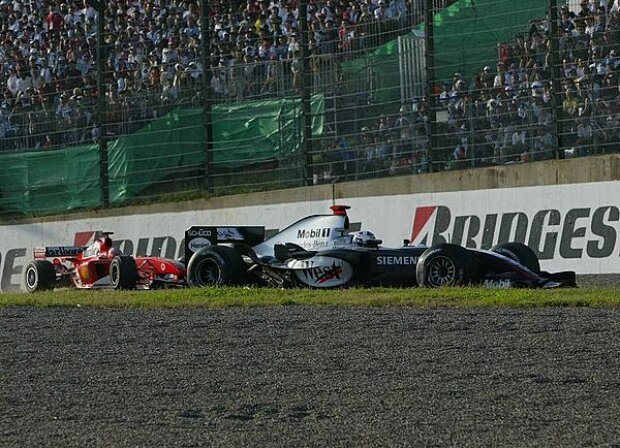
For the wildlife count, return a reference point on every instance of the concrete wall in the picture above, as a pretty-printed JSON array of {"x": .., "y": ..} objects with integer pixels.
[
  {"x": 567, "y": 211},
  {"x": 553, "y": 172}
]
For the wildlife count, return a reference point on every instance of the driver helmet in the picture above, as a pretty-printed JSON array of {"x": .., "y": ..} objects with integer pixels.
[
  {"x": 114, "y": 252},
  {"x": 365, "y": 238}
]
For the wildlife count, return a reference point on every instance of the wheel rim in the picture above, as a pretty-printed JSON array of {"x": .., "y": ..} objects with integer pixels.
[
  {"x": 114, "y": 274},
  {"x": 441, "y": 272},
  {"x": 208, "y": 273},
  {"x": 31, "y": 277}
]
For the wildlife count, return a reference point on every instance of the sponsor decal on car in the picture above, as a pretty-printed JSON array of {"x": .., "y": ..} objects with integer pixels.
[
  {"x": 62, "y": 251},
  {"x": 322, "y": 272},
  {"x": 199, "y": 232},
  {"x": 229, "y": 234},
  {"x": 198, "y": 243},
  {"x": 497, "y": 283},
  {"x": 315, "y": 244},
  {"x": 85, "y": 273},
  {"x": 396, "y": 260},
  {"x": 313, "y": 233},
  {"x": 92, "y": 251}
]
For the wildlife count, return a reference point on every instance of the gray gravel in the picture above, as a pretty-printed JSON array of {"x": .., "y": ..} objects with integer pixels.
[
  {"x": 298, "y": 376},
  {"x": 599, "y": 280}
]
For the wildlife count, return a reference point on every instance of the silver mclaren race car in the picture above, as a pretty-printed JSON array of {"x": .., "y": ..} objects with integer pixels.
[{"x": 320, "y": 251}]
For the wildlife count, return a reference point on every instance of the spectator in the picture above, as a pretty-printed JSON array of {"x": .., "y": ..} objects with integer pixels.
[
  {"x": 519, "y": 116},
  {"x": 154, "y": 64}
]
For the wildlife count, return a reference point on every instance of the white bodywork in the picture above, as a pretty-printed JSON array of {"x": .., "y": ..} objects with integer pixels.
[{"x": 311, "y": 233}]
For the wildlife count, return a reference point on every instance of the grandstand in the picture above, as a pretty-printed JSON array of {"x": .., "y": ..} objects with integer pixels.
[{"x": 228, "y": 96}]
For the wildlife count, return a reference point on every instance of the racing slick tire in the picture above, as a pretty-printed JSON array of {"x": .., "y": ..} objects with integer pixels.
[
  {"x": 123, "y": 272},
  {"x": 520, "y": 253},
  {"x": 40, "y": 275},
  {"x": 216, "y": 266},
  {"x": 445, "y": 265}
]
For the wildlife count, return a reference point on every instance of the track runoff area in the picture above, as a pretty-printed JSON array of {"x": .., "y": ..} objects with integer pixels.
[{"x": 264, "y": 367}]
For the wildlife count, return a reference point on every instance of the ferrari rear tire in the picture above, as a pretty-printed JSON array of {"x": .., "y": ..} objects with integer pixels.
[
  {"x": 444, "y": 265},
  {"x": 123, "y": 272},
  {"x": 216, "y": 266},
  {"x": 40, "y": 275},
  {"x": 520, "y": 253}
]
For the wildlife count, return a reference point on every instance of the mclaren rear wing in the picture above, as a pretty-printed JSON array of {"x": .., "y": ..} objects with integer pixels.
[
  {"x": 198, "y": 237},
  {"x": 41, "y": 253}
]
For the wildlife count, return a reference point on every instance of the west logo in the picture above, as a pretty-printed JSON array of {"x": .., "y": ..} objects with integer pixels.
[{"x": 322, "y": 274}]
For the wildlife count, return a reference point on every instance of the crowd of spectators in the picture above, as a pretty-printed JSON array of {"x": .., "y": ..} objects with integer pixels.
[
  {"x": 154, "y": 60},
  {"x": 507, "y": 113}
]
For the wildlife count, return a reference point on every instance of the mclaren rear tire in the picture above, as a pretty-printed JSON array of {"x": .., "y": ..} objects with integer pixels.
[
  {"x": 520, "y": 253},
  {"x": 40, "y": 275},
  {"x": 123, "y": 272},
  {"x": 444, "y": 265},
  {"x": 216, "y": 266}
]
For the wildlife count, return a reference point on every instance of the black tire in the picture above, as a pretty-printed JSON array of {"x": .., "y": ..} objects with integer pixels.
[
  {"x": 216, "y": 266},
  {"x": 444, "y": 265},
  {"x": 40, "y": 275},
  {"x": 123, "y": 272},
  {"x": 520, "y": 253}
]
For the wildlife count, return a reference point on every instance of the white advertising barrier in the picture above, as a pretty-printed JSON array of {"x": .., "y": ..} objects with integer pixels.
[{"x": 571, "y": 227}]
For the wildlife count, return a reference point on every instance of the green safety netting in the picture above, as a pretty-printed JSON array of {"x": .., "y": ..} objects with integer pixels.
[
  {"x": 260, "y": 131},
  {"x": 56, "y": 181},
  {"x": 468, "y": 32},
  {"x": 467, "y": 35},
  {"x": 165, "y": 148},
  {"x": 376, "y": 74},
  {"x": 44, "y": 182}
]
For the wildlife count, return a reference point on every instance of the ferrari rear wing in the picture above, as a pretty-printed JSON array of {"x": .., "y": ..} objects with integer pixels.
[{"x": 41, "y": 253}]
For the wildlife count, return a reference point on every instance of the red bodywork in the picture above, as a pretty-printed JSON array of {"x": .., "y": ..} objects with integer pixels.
[{"x": 89, "y": 267}]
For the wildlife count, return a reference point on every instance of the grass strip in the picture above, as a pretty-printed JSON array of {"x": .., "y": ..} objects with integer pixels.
[{"x": 376, "y": 297}]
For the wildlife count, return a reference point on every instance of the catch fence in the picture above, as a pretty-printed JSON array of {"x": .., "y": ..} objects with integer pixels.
[{"x": 266, "y": 99}]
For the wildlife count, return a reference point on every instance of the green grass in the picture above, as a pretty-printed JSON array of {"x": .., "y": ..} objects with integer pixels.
[{"x": 256, "y": 297}]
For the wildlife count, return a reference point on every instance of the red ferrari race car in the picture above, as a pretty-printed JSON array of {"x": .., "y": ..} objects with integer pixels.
[{"x": 100, "y": 265}]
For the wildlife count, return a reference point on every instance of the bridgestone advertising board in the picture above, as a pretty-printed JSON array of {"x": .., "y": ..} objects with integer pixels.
[{"x": 570, "y": 227}]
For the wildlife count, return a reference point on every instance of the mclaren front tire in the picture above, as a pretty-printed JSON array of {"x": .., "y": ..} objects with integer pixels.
[
  {"x": 520, "y": 253},
  {"x": 445, "y": 265}
]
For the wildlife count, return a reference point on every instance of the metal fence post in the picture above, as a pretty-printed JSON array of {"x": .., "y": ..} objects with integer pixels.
[
  {"x": 101, "y": 104},
  {"x": 556, "y": 77},
  {"x": 306, "y": 86},
  {"x": 429, "y": 30},
  {"x": 471, "y": 115},
  {"x": 207, "y": 96}
]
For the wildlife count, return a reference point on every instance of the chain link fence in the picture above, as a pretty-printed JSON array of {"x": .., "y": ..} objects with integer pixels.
[{"x": 190, "y": 99}]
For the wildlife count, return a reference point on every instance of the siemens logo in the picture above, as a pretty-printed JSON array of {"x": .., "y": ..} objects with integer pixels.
[{"x": 396, "y": 261}]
